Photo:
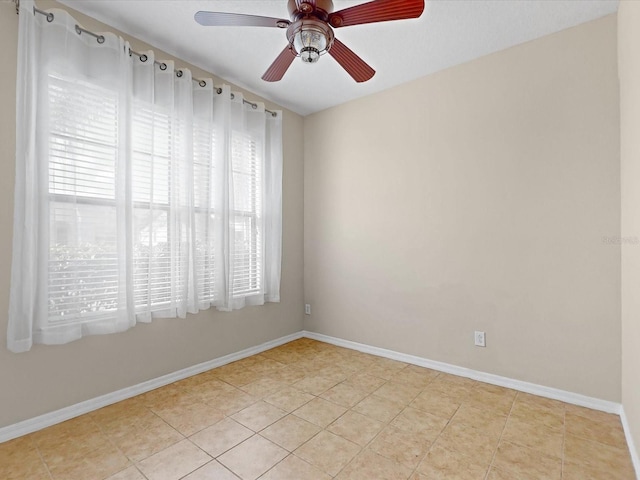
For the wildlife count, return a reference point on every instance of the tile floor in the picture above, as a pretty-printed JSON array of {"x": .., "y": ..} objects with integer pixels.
[{"x": 308, "y": 410}]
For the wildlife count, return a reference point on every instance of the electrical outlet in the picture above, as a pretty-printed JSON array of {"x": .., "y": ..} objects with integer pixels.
[
  {"x": 479, "y": 339},
  {"x": 307, "y": 309}
]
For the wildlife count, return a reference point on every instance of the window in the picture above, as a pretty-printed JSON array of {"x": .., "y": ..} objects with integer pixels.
[
  {"x": 139, "y": 192},
  {"x": 83, "y": 153},
  {"x": 83, "y": 158}
]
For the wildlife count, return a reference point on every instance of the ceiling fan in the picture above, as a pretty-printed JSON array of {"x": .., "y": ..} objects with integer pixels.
[{"x": 310, "y": 30}]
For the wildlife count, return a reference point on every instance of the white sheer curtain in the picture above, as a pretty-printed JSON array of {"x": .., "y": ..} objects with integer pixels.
[{"x": 140, "y": 193}]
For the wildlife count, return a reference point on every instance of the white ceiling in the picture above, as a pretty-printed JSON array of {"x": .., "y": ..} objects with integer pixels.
[{"x": 449, "y": 32}]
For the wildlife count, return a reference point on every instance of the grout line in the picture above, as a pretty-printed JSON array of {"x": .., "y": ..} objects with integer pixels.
[
  {"x": 500, "y": 439},
  {"x": 46, "y": 465},
  {"x": 564, "y": 440},
  {"x": 415, "y": 469}
]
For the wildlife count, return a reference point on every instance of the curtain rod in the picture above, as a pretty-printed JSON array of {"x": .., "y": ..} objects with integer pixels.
[{"x": 143, "y": 57}]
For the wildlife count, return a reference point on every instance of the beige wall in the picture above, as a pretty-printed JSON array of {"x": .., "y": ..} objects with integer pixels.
[
  {"x": 477, "y": 198},
  {"x": 629, "y": 68},
  {"x": 48, "y": 378}
]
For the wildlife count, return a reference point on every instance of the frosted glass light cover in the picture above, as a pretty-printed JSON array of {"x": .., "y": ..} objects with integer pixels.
[{"x": 310, "y": 43}]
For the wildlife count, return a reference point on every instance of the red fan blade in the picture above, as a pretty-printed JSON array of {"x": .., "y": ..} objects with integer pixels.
[
  {"x": 220, "y": 19},
  {"x": 279, "y": 66},
  {"x": 352, "y": 63},
  {"x": 377, "y": 11}
]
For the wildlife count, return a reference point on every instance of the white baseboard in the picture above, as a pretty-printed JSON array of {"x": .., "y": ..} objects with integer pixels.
[
  {"x": 42, "y": 421},
  {"x": 540, "y": 390},
  {"x": 632, "y": 447}
]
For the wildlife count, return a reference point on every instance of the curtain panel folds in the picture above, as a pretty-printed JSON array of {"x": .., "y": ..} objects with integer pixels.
[{"x": 140, "y": 193}]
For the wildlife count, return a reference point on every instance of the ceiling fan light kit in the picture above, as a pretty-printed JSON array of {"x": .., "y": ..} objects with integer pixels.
[
  {"x": 309, "y": 39},
  {"x": 310, "y": 31}
]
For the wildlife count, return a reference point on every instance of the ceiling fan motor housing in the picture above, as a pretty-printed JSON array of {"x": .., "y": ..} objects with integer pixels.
[{"x": 321, "y": 10}]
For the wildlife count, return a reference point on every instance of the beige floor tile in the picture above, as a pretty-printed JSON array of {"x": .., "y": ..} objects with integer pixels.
[
  {"x": 379, "y": 408},
  {"x": 459, "y": 388},
  {"x": 609, "y": 431},
  {"x": 365, "y": 382},
  {"x": 233, "y": 367},
  {"x": 174, "y": 462},
  {"x": 131, "y": 473},
  {"x": 353, "y": 364},
  {"x": 288, "y": 374},
  {"x": 397, "y": 392},
  {"x": 264, "y": 365},
  {"x": 166, "y": 396},
  {"x": 436, "y": 403},
  {"x": 596, "y": 455},
  {"x": 289, "y": 399},
  {"x": 468, "y": 441},
  {"x": 64, "y": 445},
  {"x": 490, "y": 399},
  {"x": 210, "y": 391},
  {"x": 537, "y": 415},
  {"x": 496, "y": 390},
  {"x": 407, "y": 448},
  {"x": 290, "y": 432},
  {"x": 540, "y": 403},
  {"x": 315, "y": 385},
  {"x": 522, "y": 462},
  {"x": 211, "y": 471},
  {"x": 233, "y": 401},
  {"x": 263, "y": 386},
  {"x": 19, "y": 447},
  {"x": 282, "y": 355},
  {"x": 544, "y": 439},
  {"x": 221, "y": 437},
  {"x": 489, "y": 421},
  {"x": 498, "y": 474},
  {"x": 123, "y": 423},
  {"x": 334, "y": 373},
  {"x": 344, "y": 394},
  {"x": 368, "y": 465},
  {"x": 239, "y": 378},
  {"x": 294, "y": 468},
  {"x": 320, "y": 412},
  {"x": 382, "y": 371},
  {"x": 27, "y": 470},
  {"x": 412, "y": 420},
  {"x": 581, "y": 471},
  {"x": 252, "y": 457},
  {"x": 595, "y": 415},
  {"x": 141, "y": 439},
  {"x": 19, "y": 454},
  {"x": 259, "y": 416},
  {"x": 329, "y": 452},
  {"x": 397, "y": 422},
  {"x": 444, "y": 464},
  {"x": 356, "y": 427},
  {"x": 100, "y": 463},
  {"x": 130, "y": 408},
  {"x": 189, "y": 418},
  {"x": 415, "y": 376}
]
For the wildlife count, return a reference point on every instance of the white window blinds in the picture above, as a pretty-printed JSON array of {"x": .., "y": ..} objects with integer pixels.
[
  {"x": 247, "y": 219},
  {"x": 82, "y": 152}
]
